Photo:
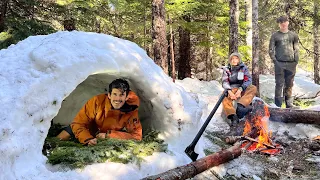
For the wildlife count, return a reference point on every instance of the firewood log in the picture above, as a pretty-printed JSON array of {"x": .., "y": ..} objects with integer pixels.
[
  {"x": 294, "y": 115},
  {"x": 196, "y": 167}
]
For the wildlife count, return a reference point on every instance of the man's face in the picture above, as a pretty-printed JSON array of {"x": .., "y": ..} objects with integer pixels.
[
  {"x": 284, "y": 26},
  {"x": 117, "y": 98},
  {"x": 234, "y": 61}
]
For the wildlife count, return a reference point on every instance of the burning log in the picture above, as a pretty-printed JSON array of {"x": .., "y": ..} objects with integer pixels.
[
  {"x": 247, "y": 145},
  {"x": 203, "y": 164},
  {"x": 255, "y": 135},
  {"x": 233, "y": 139},
  {"x": 253, "y": 140},
  {"x": 251, "y": 145},
  {"x": 294, "y": 116},
  {"x": 316, "y": 138}
]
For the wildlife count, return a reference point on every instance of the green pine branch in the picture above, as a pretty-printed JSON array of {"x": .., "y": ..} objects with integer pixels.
[{"x": 75, "y": 155}]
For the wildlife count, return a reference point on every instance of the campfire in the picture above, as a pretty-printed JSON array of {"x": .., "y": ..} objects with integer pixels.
[{"x": 256, "y": 137}]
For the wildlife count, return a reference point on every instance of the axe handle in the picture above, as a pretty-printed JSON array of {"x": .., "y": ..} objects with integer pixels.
[{"x": 205, "y": 124}]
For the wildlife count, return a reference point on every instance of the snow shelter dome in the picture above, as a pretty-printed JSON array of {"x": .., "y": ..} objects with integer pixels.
[{"x": 41, "y": 72}]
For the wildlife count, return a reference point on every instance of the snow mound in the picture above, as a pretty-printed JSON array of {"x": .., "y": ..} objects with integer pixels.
[{"x": 40, "y": 72}]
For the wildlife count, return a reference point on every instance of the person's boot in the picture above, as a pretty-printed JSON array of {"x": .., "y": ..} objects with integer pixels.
[
  {"x": 236, "y": 127},
  {"x": 278, "y": 101},
  {"x": 242, "y": 110},
  {"x": 64, "y": 135},
  {"x": 289, "y": 103},
  {"x": 234, "y": 120}
]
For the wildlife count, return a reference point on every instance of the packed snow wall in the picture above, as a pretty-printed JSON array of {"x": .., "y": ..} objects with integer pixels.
[{"x": 41, "y": 72}]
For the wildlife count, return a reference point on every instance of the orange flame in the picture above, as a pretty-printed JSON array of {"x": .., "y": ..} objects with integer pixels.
[
  {"x": 258, "y": 123},
  {"x": 261, "y": 123},
  {"x": 266, "y": 110},
  {"x": 247, "y": 128}
]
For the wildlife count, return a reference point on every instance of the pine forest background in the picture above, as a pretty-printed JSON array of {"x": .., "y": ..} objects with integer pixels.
[{"x": 196, "y": 36}]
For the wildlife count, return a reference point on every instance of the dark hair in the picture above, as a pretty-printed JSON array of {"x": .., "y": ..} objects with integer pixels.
[
  {"x": 282, "y": 19},
  {"x": 121, "y": 84},
  {"x": 69, "y": 24}
]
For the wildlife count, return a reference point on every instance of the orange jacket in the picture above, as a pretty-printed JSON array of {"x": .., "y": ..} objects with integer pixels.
[{"x": 98, "y": 113}]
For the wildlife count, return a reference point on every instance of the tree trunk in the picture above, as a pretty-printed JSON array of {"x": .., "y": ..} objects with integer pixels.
[
  {"x": 145, "y": 25},
  {"x": 184, "y": 52},
  {"x": 196, "y": 167},
  {"x": 207, "y": 49},
  {"x": 294, "y": 116},
  {"x": 3, "y": 12},
  {"x": 255, "y": 46},
  {"x": 316, "y": 39},
  {"x": 160, "y": 43},
  {"x": 211, "y": 62},
  {"x": 172, "y": 53},
  {"x": 287, "y": 8},
  {"x": 249, "y": 26},
  {"x": 233, "y": 27}
]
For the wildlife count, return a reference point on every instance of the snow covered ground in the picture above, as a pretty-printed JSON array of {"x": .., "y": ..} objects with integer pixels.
[{"x": 50, "y": 77}]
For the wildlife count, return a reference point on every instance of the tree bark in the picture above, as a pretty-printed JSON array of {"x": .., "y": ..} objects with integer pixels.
[
  {"x": 249, "y": 26},
  {"x": 287, "y": 8},
  {"x": 196, "y": 167},
  {"x": 145, "y": 25},
  {"x": 255, "y": 46},
  {"x": 316, "y": 39},
  {"x": 209, "y": 50},
  {"x": 3, "y": 12},
  {"x": 233, "y": 27},
  {"x": 160, "y": 43},
  {"x": 211, "y": 62},
  {"x": 294, "y": 116},
  {"x": 184, "y": 51},
  {"x": 173, "y": 71}
]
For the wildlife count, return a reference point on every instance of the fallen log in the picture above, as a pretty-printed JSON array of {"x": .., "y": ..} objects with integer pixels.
[
  {"x": 196, "y": 167},
  {"x": 294, "y": 115}
]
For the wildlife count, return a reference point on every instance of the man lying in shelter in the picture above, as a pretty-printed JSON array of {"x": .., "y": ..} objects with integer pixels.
[
  {"x": 111, "y": 115},
  {"x": 237, "y": 80}
]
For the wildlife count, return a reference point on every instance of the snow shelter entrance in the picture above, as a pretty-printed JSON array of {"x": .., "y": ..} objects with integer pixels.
[{"x": 94, "y": 85}]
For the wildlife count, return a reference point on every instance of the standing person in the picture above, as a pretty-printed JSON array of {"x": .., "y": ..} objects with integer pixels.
[
  {"x": 284, "y": 52},
  {"x": 238, "y": 81},
  {"x": 111, "y": 115}
]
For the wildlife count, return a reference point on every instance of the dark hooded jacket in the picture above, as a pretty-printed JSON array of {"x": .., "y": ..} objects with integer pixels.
[{"x": 231, "y": 78}]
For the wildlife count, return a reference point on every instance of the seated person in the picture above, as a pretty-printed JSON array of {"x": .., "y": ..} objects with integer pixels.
[
  {"x": 237, "y": 80},
  {"x": 111, "y": 115}
]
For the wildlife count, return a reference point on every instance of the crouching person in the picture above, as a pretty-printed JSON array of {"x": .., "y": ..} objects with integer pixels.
[
  {"x": 238, "y": 81},
  {"x": 111, "y": 115}
]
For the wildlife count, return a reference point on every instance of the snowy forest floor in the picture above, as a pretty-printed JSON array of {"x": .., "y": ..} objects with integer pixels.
[
  {"x": 297, "y": 161},
  {"x": 300, "y": 158}
]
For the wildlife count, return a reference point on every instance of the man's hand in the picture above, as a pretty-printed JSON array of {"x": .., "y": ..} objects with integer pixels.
[
  {"x": 231, "y": 95},
  {"x": 101, "y": 135},
  {"x": 238, "y": 94},
  {"x": 92, "y": 142}
]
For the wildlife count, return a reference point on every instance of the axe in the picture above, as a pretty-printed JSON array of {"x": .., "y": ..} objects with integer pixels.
[{"x": 190, "y": 149}]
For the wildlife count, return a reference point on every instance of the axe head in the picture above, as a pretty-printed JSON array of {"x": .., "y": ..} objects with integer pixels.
[{"x": 190, "y": 152}]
